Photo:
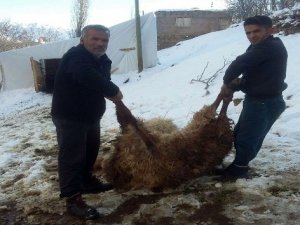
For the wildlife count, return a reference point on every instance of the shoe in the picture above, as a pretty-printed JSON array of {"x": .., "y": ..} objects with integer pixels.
[
  {"x": 92, "y": 185},
  {"x": 232, "y": 172},
  {"x": 76, "y": 206}
]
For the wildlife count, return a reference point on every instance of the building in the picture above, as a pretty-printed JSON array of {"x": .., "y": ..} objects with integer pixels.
[{"x": 174, "y": 26}]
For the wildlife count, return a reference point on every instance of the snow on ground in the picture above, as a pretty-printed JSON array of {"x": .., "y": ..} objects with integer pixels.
[{"x": 28, "y": 166}]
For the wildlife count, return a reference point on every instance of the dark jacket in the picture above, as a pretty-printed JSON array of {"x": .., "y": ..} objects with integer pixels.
[
  {"x": 263, "y": 67},
  {"x": 81, "y": 82}
]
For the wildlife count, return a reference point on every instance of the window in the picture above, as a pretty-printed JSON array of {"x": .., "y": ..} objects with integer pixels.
[{"x": 183, "y": 22}]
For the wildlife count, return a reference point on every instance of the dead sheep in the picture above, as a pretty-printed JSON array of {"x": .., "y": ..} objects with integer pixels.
[{"x": 156, "y": 155}]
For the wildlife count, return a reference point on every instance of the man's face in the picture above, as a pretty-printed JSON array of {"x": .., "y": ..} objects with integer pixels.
[
  {"x": 256, "y": 34},
  {"x": 96, "y": 42}
]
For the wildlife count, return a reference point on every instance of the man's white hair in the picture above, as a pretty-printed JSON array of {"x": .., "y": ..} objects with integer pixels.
[{"x": 94, "y": 27}]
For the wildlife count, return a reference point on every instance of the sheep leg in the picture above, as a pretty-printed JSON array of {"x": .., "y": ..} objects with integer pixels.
[
  {"x": 228, "y": 98},
  {"x": 234, "y": 86},
  {"x": 146, "y": 139},
  {"x": 224, "y": 107},
  {"x": 125, "y": 118},
  {"x": 217, "y": 102}
]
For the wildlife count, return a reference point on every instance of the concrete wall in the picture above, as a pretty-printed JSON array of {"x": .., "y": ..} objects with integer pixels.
[{"x": 170, "y": 32}]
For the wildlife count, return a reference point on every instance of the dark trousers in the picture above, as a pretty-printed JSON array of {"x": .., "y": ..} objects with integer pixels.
[
  {"x": 255, "y": 121},
  {"x": 78, "y": 145}
]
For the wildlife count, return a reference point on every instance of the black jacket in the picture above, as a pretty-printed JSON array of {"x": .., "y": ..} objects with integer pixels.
[
  {"x": 81, "y": 82},
  {"x": 263, "y": 67}
]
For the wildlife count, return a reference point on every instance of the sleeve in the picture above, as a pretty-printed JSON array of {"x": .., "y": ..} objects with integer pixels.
[
  {"x": 84, "y": 73},
  {"x": 249, "y": 60}
]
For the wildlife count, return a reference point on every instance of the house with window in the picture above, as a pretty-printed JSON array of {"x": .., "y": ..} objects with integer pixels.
[{"x": 174, "y": 26}]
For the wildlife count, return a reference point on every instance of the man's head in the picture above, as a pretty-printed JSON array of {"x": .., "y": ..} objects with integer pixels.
[
  {"x": 95, "y": 39},
  {"x": 258, "y": 28}
]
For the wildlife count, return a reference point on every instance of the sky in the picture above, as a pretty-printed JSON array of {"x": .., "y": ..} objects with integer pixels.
[{"x": 57, "y": 13}]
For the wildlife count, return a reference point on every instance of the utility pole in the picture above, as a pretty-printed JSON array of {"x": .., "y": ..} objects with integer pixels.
[{"x": 138, "y": 37}]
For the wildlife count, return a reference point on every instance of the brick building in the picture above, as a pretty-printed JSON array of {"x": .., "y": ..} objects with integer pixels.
[{"x": 178, "y": 25}]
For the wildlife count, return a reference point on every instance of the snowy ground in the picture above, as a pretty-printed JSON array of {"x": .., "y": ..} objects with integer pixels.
[{"x": 28, "y": 165}]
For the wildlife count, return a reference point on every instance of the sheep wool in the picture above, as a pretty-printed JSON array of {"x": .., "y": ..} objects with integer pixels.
[{"x": 173, "y": 156}]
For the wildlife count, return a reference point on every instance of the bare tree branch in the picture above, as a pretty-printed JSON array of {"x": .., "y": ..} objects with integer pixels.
[
  {"x": 241, "y": 9},
  {"x": 79, "y": 16},
  {"x": 209, "y": 81},
  {"x": 199, "y": 78},
  {"x": 13, "y": 35}
]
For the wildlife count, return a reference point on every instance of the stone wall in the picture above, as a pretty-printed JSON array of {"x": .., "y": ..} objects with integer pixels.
[{"x": 176, "y": 26}]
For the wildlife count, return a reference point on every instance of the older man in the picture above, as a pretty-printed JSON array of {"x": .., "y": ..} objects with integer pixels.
[{"x": 81, "y": 85}]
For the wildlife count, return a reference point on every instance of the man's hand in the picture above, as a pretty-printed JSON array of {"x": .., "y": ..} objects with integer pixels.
[
  {"x": 227, "y": 93},
  {"x": 118, "y": 97},
  {"x": 235, "y": 84}
]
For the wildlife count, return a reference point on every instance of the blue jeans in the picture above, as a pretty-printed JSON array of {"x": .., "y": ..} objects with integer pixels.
[{"x": 255, "y": 121}]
